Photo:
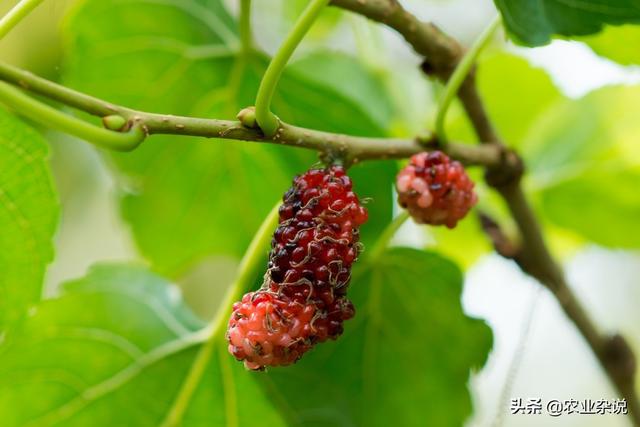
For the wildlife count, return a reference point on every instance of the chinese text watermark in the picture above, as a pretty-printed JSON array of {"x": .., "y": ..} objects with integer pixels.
[{"x": 555, "y": 407}]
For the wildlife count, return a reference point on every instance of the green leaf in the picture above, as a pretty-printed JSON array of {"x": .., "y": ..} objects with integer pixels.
[
  {"x": 584, "y": 165},
  {"x": 204, "y": 197},
  {"x": 503, "y": 80},
  {"x": 28, "y": 214},
  {"x": 534, "y": 22},
  {"x": 410, "y": 343},
  {"x": 612, "y": 218},
  {"x": 114, "y": 349},
  {"x": 350, "y": 78},
  {"x": 617, "y": 43}
]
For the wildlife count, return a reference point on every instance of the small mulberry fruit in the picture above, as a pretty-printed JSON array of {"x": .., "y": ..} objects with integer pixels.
[
  {"x": 435, "y": 190},
  {"x": 303, "y": 300}
]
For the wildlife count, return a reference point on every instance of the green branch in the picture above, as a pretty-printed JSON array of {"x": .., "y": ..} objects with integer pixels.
[
  {"x": 250, "y": 267},
  {"x": 55, "y": 119},
  {"x": 351, "y": 148},
  {"x": 16, "y": 14},
  {"x": 267, "y": 121},
  {"x": 459, "y": 75}
]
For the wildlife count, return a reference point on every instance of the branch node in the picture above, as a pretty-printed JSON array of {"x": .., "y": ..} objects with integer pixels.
[
  {"x": 619, "y": 358},
  {"x": 501, "y": 242},
  {"x": 509, "y": 171},
  {"x": 428, "y": 140}
]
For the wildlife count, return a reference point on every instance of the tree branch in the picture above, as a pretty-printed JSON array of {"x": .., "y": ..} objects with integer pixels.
[
  {"x": 349, "y": 148},
  {"x": 442, "y": 54},
  {"x": 440, "y": 51},
  {"x": 501, "y": 242}
]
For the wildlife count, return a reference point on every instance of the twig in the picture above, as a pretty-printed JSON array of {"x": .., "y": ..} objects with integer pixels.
[
  {"x": 43, "y": 113},
  {"x": 350, "y": 148},
  {"x": 501, "y": 242}
]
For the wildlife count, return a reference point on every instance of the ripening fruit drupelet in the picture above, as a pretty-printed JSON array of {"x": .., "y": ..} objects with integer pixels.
[
  {"x": 435, "y": 190},
  {"x": 303, "y": 299}
]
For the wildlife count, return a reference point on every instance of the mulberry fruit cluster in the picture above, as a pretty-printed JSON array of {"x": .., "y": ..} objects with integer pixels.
[
  {"x": 435, "y": 190},
  {"x": 303, "y": 299}
]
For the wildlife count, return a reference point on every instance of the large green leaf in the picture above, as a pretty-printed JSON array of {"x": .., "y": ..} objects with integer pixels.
[
  {"x": 504, "y": 80},
  {"x": 534, "y": 22},
  {"x": 191, "y": 198},
  {"x": 617, "y": 43},
  {"x": 584, "y": 165},
  {"x": 28, "y": 217},
  {"x": 114, "y": 349},
  {"x": 410, "y": 346}
]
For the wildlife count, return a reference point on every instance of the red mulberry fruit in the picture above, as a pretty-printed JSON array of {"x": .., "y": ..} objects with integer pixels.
[
  {"x": 435, "y": 190},
  {"x": 303, "y": 300}
]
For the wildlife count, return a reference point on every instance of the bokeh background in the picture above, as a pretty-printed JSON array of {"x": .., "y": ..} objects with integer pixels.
[{"x": 536, "y": 353}]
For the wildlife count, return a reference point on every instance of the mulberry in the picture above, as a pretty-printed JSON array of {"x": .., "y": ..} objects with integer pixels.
[
  {"x": 435, "y": 190},
  {"x": 303, "y": 300}
]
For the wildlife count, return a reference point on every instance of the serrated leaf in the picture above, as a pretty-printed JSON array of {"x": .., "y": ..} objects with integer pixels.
[
  {"x": 205, "y": 197},
  {"x": 534, "y": 22},
  {"x": 28, "y": 217},
  {"x": 114, "y": 349},
  {"x": 584, "y": 166},
  {"x": 619, "y": 44},
  {"x": 410, "y": 343}
]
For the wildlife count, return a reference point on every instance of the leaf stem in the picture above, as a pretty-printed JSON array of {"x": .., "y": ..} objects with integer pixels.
[
  {"x": 246, "y": 37},
  {"x": 49, "y": 116},
  {"x": 249, "y": 268},
  {"x": 387, "y": 234},
  {"x": 16, "y": 14},
  {"x": 267, "y": 121},
  {"x": 459, "y": 75}
]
